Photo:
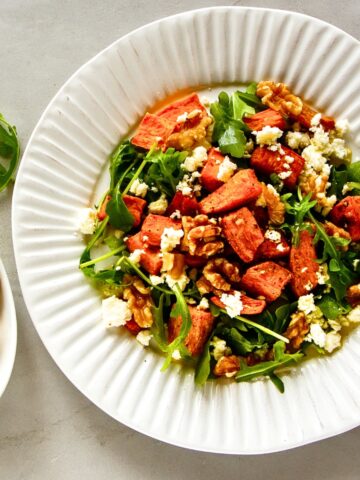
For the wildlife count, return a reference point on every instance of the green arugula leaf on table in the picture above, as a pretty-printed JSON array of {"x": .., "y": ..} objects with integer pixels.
[{"x": 9, "y": 152}]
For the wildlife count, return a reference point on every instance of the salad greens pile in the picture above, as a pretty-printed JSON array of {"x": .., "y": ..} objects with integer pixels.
[{"x": 9, "y": 152}]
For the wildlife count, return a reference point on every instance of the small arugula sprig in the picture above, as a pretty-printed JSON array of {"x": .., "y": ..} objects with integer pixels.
[
  {"x": 165, "y": 170},
  {"x": 229, "y": 127},
  {"x": 9, "y": 152},
  {"x": 281, "y": 360},
  {"x": 297, "y": 209}
]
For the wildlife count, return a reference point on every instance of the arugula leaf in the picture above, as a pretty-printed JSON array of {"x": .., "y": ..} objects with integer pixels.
[
  {"x": 181, "y": 309},
  {"x": 281, "y": 360},
  {"x": 331, "y": 308},
  {"x": 158, "y": 328},
  {"x": 165, "y": 171},
  {"x": 122, "y": 160},
  {"x": 9, "y": 152},
  {"x": 297, "y": 209},
  {"x": 118, "y": 213},
  {"x": 229, "y": 128},
  {"x": 353, "y": 171},
  {"x": 238, "y": 343},
  {"x": 202, "y": 370},
  {"x": 251, "y": 99}
]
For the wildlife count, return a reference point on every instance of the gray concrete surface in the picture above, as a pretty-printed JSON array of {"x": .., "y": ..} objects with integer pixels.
[{"x": 48, "y": 430}]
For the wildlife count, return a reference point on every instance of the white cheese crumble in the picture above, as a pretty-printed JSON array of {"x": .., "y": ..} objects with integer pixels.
[
  {"x": 204, "y": 304},
  {"x": 280, "y": 247},
  {"x": 306, "y": 303},
  {"x": 309, "y": 286},
  {"x": 233, "y": 303},
  {"x": 268, "y": 135},
  {"x": 226, "y": 170},
  {"x": 322, "y": 274},
  {"x": 332, "y": 341},
  {"x": 135, "y": 256},
  {"x": 139, "y": 189},
  {"x": 354, "y": 315},
  {"x": 176, "y": 355},
  {"x": 316, "y": 335},
  {"x": 196, "y": 160},
  {"x": 273, "y": 235},
  {"x": 342, "y": 127},
  {"x": 182, "y": 281},
  {"x": 272, "y": 189},
  {"x": 115, "y": 312},
  {"x": 176, "y": 214},
  {"x": 156, "y": 280},
  {"x": 220, "y": 349},
  {"x": 159, "y": 206},
  {"x": 187, "y": 185},
  {"x": 144, "y": 337},
  {"x": 182, "y": 118},
  {"x": 87, "y": 221},
  {"x": 284, "y": 175},
  {"x": 297, "y": 140},
  {"x": 170, "y": 238}
]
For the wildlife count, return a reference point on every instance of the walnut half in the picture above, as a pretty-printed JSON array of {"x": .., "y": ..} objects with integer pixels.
[
  {"x": 201, "y": 236},
  {"x": 227, "y": 366},
  {"x": 139, "y": 301},
  {"x": 297, "y": 330},
  {"x": 278, "y": 97},
  {"x": 219, "y": 275}
]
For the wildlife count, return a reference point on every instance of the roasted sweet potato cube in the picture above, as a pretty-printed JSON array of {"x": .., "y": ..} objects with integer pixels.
[
  {"x": 102, "y": 212},
  {"x": 251, "y": 306},
  {"x": 307, "y": 114},
  {"x": 243, "y": 233},
  {"x": 150, "y": 259},
  {"x": 133, "y": 327},
  {"x": 185, "y": 105},
  {"x": 270, "y": 249},
  {"x": 152, "y": 130},
  {"x": 201, "y": 327},
  {"x": 136, "y": 207},
  {"x": 303, "y": 265},
  {"x": 347, "y": 214},
  {"x": 266, "y": 118},
  {"x": 267, "y": 162},
  {"x": 153, "y": 227},
  {"x": 266, "y": 279},
  {"x": 185, "y": 204},
  {"x": 211, "y": 169},
  {"x": 241, "y": 189}
]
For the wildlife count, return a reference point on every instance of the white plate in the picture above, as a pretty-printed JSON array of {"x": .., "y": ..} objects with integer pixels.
[
  {"x": 64, "y": 160},
  {"x": 8, "y": 330}
]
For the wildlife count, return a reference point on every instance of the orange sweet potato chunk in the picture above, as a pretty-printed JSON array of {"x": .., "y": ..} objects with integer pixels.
[
  {"x": 266, "y": 279},
  {"x": 251, "y": 306},
  {"x": 241, "y": 189},
  {"x": 270, "y": 249},
  {"x": 267, "y": 162},
  {"x": 152, "y": 130},
  {"x": 150, "y": 259},
  {"x": 136, "y": 207},
  {"x": 185, "y": 105},
  {"x": 153, "y": 227},
  {"x": 347, "y": 214},
  {"x": 266, "y": 118},
  {"x": 202, "y": 323},
  {"x": 243, "y": 233},
  {"x": 211, "y": 169},
  {"x": 303, "y": 265}
]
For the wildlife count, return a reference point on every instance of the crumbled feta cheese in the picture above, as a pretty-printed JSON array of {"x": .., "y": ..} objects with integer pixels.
[
  {"x": 338, "y": 149},
  {"x": 154, "y": 189},
  {"x": 185, "y": 187},
  {"x": 345, "y": 189},
  {"x": 272, "y": 189},
  {"x": 249, "y": 147},
  {"x": 354, "y": 315},
  {"x": 316, "y": 335},
  {"x": 139, "y": 188},
  {"x": 196, "y": 160},
  {"x": 297, "y": 140},
  {"x": 182, "y": 281},
  {"x": 176, "y": 355},
  {"x": 322, "y": 274},
  {"x": 144, "y": 337},
  {"x": 304, "y": 269},
  {"x": 159, "y": 206},
  {"x": 220, "y": 349},
  {"x": 342, "y": 126},
  {"x": 176, "y": 214},
  {"x": 332, "y": 341},
  {"x": 135, "y": 256},
  {"x": 284, "y": 175},
  {"x": 226, "y": 170},
  {"x": 314, "y": 160},
  {"x": 308, "y": 286},
  {"x": 273, "y": 235},
  {"x": 156, "y": 280},
  {"x": 182, "y": 118},
  {"x": 204, "y": 304},
  {"x": 145, "y": 238},
  {"x": 87, "y": 221},
  {"x": 280, "y": 247},
  {"x": 268, "y": 135},
  {"x": 335, "y": 325},
  {"x": 306, "y": 303},
  {"x": 315, "y": 121},
  {"x": 115, "y": 312},
  {"x": 170, "y": 238},
  {"x": 233, "y": 303}
]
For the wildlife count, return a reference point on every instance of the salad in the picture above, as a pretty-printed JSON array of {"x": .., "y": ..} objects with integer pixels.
[{"x": 229, "y": 235}]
